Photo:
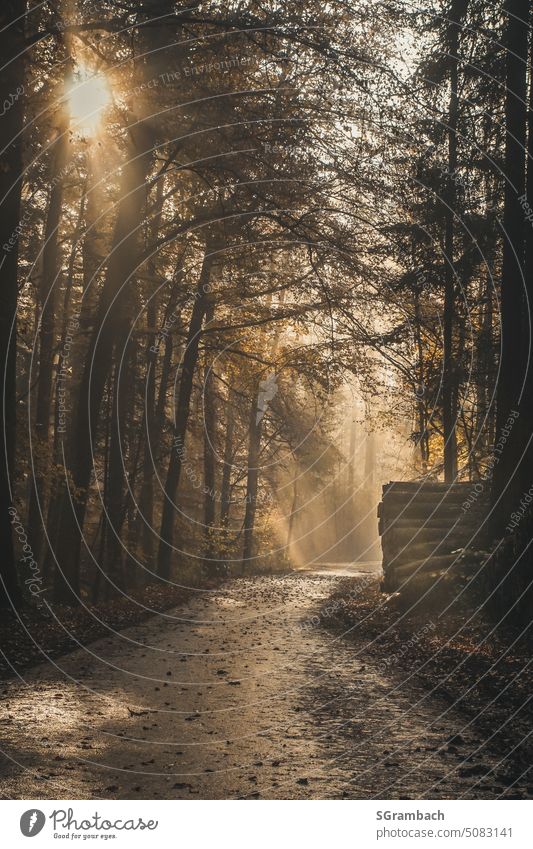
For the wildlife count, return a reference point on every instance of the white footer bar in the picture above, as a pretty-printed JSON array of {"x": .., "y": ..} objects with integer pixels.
[{"x": 267, "y": 824}]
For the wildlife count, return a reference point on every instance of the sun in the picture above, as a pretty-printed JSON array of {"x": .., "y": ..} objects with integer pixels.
[{"x": 88, "y": 96}]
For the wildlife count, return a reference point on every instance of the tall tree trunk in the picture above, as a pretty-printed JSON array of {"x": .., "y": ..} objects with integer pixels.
[
  {"x": 121, "y": 267},
  {"x": 506, "y": 482},
  {"x": 351, "y": 537},
  {"x": 48, "y": 300},
  {"x": 92, "y": 251},
  {"x": 155, "y": 423},
  {"x": 122, "y": 403},
  {"x": 66, "y": 360},
  {"x": 188, "y": 366},
  {"x": 370, "y": 459},
  {"x": 255, "y": 430},
  {"x": 225, "y": 487},
  {"x": 526, "y": 472},
  {"x": 146, "y": 499},
  {"x": 64, "y": 363},
  {"x": 423, "y": 441},
  {"x": 97, "y": 580},
  {"x": 491, "y": 368},
  {"x": 252, "y": 479},
  {"x": 449, "y": 380},
  {"x": 294, "y": 511},
  {"x": 12, "y": 50},
  {"x": 485, "y": 372},
  {"x": 171, "y": 320},
  {"x": 210, "y": 498}
]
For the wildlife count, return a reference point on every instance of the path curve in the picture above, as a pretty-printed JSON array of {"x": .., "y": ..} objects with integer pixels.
[{"x": 244, "y": 695}]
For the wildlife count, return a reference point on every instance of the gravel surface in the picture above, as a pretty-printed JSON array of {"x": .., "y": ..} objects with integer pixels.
[{"x": 241, "y": 693}]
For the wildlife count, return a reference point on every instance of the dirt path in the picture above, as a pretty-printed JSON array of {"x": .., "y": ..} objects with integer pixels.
[{"x": 228, "y": 698}]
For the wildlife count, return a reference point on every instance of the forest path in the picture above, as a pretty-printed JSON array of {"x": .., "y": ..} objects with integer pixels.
[{"x": 239, "y": 694}]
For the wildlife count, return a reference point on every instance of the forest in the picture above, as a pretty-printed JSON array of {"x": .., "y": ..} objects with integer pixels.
[{"x": 259, "y": 259}]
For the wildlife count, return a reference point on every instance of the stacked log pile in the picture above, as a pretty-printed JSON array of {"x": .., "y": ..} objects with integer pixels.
[{"x": 425, "y": 529}]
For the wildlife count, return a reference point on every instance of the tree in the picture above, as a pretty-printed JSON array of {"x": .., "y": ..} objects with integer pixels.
[
  {"x": 12, "y": 49},
  {"x": 508, "y": 473},
  {"x": 108, "y": 330}
]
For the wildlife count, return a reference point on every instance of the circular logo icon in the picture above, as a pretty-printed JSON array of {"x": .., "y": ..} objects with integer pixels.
[{"x": 32, "y": 822}]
